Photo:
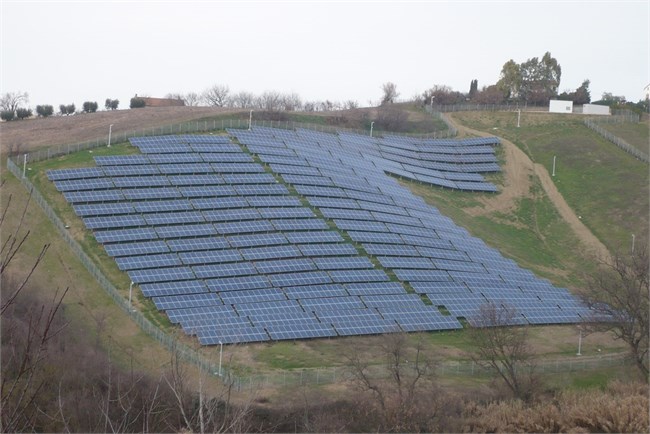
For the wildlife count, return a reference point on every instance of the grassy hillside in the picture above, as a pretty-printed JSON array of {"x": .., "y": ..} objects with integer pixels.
[
  {"x": 531, "y": 232},
  {"x": 636, "y": 134},
  {"x": 605, "y": 186}
]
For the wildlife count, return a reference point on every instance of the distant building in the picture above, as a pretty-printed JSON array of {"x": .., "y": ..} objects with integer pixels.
[
  {"x": 595, "y": 109},
  {"x": 558, "y": 106},
  {"x": 162, "y": 102}
]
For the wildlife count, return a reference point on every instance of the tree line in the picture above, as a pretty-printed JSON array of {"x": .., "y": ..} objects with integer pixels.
[
  {"x": 533, "y": 82},
  {"x": 11, "y": 107}
]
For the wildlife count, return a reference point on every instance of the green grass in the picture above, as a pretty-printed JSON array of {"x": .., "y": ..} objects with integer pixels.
[
  {"x": 636, "y": 134},
  {"x": 533, "y": 234},
  {"x": 85, "y": 237},
  {"x": 607, "y": 187}
]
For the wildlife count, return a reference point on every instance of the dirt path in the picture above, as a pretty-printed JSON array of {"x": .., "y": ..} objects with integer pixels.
[{"x": 518, "y": 171}]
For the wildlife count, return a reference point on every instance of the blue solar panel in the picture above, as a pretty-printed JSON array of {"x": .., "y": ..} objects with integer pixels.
[
  {"x": 197, "y": 244},
  {"x": 375, "y": 288},
  {"x": 238, "y": 283},
  {"x": 183, "y": 301},
  {"x": 210, "y": 256},
  {"x": 161, "y": 274},
  {"x": 161, "y": 289},
  {"x": 117, "y": 235},
  {"x": 315, "y": 291},
  {"x": 196, "y": 222},
  {"x": 272, "y": 252},
  {"x": 136, "y": 248},
  {"x": 327, "y": 249},
  {"x": 147, "y": 261},
  {"x": 181, "y": 231},
  {"x": 224, "y": 270},
  {"x": 313, "y": 237},
  {"x": 297, "y": 279},
  {"x": 343, "y": 263},
  {"x": 108, "y": 222}
]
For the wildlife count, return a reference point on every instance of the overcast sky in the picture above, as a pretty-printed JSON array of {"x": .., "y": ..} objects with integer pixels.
[{"x": 71, "y": 52}]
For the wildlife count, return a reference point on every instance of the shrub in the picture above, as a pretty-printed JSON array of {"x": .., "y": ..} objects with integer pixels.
[
  {"x": 23, "y": 113},
  {"x": 70, "y": 109},
  {"x": 137, "y": 102},
  {"x": 111, "y": 104},
  {"x": 44, "y": 110},
  {"x": 90, "y": 107},
  {"x": 7, "y": 115}
]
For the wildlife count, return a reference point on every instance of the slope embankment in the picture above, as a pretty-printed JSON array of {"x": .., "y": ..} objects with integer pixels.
[{"x": 517, "y": 172}]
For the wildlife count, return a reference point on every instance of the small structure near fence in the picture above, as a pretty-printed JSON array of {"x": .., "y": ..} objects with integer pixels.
[
  {"x": 595, "y": 109},
  {"x": 559, "y": 106}
]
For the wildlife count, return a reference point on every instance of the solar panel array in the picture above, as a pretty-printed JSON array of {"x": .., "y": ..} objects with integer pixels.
[{"x": 299, "y": 234}]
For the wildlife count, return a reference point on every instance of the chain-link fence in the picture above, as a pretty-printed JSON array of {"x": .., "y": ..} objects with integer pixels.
[
  {"x": 207, "y": 126},
  {"x": 192, "y": 355},
  {"x": 594, "y": 124},
  {"x": 467, "y": 107},
  {"x": 183, "y": 351},
  {"x": 464, "y": 368}
]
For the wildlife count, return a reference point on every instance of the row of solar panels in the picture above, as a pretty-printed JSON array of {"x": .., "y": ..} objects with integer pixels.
[{"x": 249, "y": 264}]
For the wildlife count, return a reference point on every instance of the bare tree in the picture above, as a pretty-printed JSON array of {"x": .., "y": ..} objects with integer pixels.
[
  {"x": 200, "y": 412},
  {"x": 216, "y": 96},
  {"x": 175, "y": 95},
  {"x": 291, "y": 102},
  {"x": 192, "y": 99},
  {"x": 350, "y": 104},
  {"x": 270, "y": 100},
  {"x": 401, "y": 395},
  {"x": 10, "y": 101},
  {"x": 390, "y": 93},
  {"x": 26, "y": 333},
  {"x": 503, "y": 346},
  {"x": 618, "y": 294},
  {"x": 245, "y": 100}
]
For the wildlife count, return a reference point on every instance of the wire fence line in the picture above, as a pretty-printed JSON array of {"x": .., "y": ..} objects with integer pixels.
[
  {"x": 286, "y": 377},
  {"x": 183, "y": 351},
  {"x": 594, "y": 124},
  {"x": 464, "y": 368},
  {"x": 207, "y": 126},
  {"x": 192, "y": 355},
  {"x": 467, "y": 107}
]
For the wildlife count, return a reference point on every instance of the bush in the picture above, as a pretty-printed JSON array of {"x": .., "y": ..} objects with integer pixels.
[
  {"x": 23, "y": 113},
  {"x": 111, "y": 104},
  {"x": 90, "y": 107},
  {"x": 137, "y": 102},
  {"x": 67, "y": 109},
  {"x": 7, "y": 115},
  {"x": 44, "y": 110}
]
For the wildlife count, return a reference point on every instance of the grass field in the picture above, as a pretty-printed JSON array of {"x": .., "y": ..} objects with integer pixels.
[
  {"x": 532, "y": 233},
  {"x": 636, "y": 134},
  {"x": 605, "y": 186}
]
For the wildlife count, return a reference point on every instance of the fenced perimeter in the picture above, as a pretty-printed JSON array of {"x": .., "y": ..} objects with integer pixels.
[
  {"x": 274, "y": 379},
  {"x": 208, "y": 126},
  {"x": 595, "y": 124}
]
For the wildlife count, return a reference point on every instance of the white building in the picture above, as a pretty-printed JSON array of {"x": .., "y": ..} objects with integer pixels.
[
  {"x": 595, "y": 109},
  {"x": 558, "y": 106}
]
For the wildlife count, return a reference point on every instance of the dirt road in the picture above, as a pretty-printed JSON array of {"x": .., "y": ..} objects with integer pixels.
[{"x": 518, "y": 171}]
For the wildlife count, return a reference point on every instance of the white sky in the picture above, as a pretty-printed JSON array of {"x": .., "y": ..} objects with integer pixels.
[{"x": 63, "y": 52}]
